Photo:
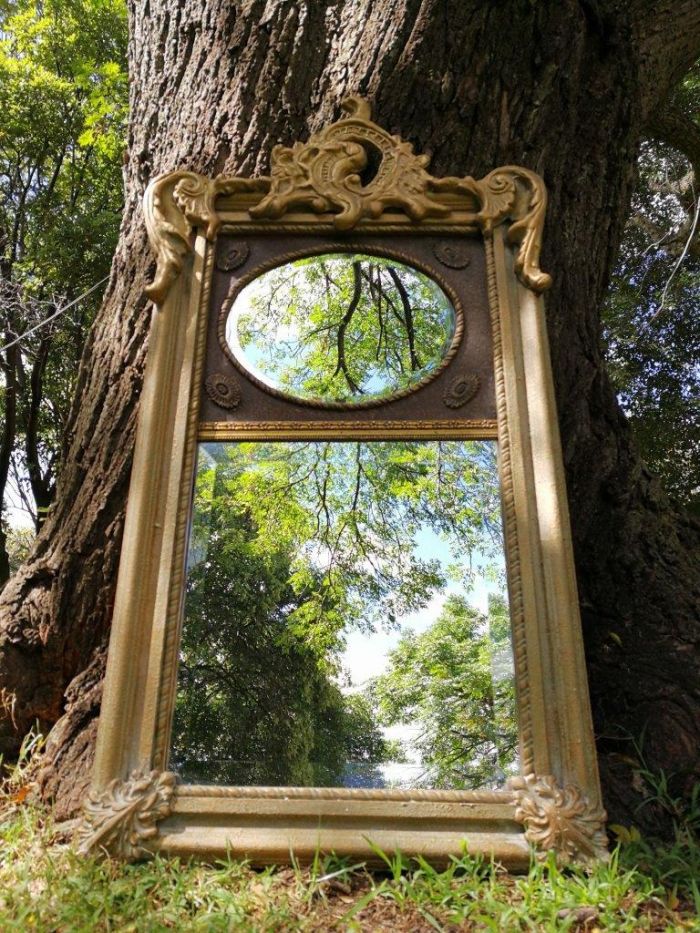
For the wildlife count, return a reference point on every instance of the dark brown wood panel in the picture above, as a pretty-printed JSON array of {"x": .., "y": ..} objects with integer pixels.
[{"x": 474, "y": 356}]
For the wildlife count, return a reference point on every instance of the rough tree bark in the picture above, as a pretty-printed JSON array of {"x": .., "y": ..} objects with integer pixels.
[{"x": 564, "y": 87}]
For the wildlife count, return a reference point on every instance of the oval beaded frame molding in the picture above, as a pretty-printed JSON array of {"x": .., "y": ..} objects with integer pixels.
[{"x": 331, "y": 404}]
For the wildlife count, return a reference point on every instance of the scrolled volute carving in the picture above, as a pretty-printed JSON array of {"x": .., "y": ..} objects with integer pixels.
[
  {"x": 559, "y": 819},
  {"x": 173, "y": 204},
  {"x": 527, "y": 210},
  {"x": 510, "y": 193},
  {"x": 176, "y": 203},
  {"x": 122, "y": 818}
]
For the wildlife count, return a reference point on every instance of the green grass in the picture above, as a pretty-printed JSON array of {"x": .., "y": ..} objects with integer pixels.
[{"x": 46, "y": 886}]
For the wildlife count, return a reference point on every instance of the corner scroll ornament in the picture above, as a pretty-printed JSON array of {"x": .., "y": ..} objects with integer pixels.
[
  {"x": 122, "y": 819},
  {"x": 324, "y": 176},
  {"x": 559, "y": 819},
  {"x": 176, "y": 203}
]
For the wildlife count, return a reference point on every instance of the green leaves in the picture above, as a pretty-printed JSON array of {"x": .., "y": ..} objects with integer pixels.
[
  {"x": 342, "y": 327},
  {"x": 63, "y": 107}
]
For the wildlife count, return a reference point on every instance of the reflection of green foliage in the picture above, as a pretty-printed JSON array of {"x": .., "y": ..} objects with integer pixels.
[
  {"x": 254, "y": 706},
  {"x": 455, "y": 682},
  {"x": 291, "y": 546},
  {"x": 350, "y": 513},
  {"x": 344, "y": 326}
]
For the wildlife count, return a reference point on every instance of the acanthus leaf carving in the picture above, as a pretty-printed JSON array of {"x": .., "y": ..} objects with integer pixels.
[
  {"x": 559, "y": 819},
  {"x": 324, "y": 173},
  {"x": 123, "y": 817}
]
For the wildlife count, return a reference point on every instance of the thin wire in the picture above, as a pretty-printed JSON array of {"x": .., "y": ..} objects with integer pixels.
[
  {"x": 54, "y": 315},
  {"x": 682, "y": 256}
]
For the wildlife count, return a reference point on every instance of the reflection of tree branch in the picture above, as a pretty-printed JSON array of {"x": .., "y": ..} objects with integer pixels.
[
  {"x": 358, "y": 479},
  {"x": 376, "y": 293},
  {"x": 408, "y": 316},
  {"x": 347, "y": 317}
]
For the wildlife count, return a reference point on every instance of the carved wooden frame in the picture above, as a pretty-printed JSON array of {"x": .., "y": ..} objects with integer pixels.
[{"x": 136, "y": 807}]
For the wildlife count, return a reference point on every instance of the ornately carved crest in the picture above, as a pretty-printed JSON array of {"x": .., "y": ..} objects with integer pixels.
[
  {"x": 324, "y": 176},
  {"x": 122, "y": 818},
  {"x": 559, "y": 819}
]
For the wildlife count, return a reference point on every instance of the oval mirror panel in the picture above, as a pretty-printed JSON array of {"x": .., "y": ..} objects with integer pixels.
[{"x": 342, "y": 329}]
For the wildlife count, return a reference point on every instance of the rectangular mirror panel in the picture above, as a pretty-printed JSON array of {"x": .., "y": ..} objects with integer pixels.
[{"x": 346, "y": 619}]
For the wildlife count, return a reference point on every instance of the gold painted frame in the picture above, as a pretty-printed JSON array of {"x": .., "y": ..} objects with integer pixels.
[{"x": 136, "y": 807}]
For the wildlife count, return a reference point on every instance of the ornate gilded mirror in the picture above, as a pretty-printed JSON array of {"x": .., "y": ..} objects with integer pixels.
[{"x": 346, "y": 611}]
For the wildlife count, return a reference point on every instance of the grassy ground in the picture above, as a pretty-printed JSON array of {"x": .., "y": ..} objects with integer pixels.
[{"x": 45, "y": 886}]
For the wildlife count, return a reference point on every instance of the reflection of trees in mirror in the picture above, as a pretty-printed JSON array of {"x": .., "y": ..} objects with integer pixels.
[
  {"x": 341, "y": 327},
  {"x": 454, "y": 684},
  {"x": 294, "y": 545}
]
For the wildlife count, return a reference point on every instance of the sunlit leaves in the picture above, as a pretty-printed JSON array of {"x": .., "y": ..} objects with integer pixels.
[
  {"x": 294, "y": 545},
  {"x": 63, "y": 107},
  {"x": 349, "y": 514}
]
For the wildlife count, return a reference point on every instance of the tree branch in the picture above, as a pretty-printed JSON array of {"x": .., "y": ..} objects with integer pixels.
[
  {"x": 671, "y": 125},
  {"x": 667, "y": 34}
]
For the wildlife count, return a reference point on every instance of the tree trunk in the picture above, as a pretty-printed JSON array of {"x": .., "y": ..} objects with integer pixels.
[{"x": 562, "y": 87}]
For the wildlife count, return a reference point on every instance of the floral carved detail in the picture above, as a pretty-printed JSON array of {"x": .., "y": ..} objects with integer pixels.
[
  {"x": 122, "y": 818},
  {"x": 559, "y": 819},
  {"x": 233, "y": 256},
  {"x": 461, "y": 390},
  {"x": 223, "y": 390},
  {"x": 325, "y": 176},
  {"x": 454, "y": 255}
]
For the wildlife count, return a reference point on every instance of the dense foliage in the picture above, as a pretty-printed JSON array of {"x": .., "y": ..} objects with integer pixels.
[
  {"x": 254, "y": 704},
  {"x": 652, "y": 313},
  {"x": 455, "y": 682},
  {"x": 295, "y": 545},
  {"x": 63, "y": 92}
]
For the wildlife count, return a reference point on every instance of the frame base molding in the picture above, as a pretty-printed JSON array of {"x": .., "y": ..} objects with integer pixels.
[{"x": 123, "y": 821}]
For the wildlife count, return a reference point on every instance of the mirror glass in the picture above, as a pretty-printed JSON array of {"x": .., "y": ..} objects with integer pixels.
[
  {"x": 346, "y": 620},
  {"x": 341, "y": 328}
]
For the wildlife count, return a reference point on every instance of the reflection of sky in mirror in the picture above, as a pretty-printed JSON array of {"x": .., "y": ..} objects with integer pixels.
[{"x": 315, "y": 340}]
